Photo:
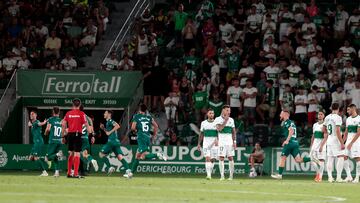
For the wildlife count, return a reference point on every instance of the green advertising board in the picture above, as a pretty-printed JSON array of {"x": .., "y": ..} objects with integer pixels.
[
  {"x": 181, "y": 159},
  {"x": 111, "y": 88}
]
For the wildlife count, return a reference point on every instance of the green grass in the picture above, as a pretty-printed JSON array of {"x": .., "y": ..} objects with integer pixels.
[{"x": 28, "y": 187}]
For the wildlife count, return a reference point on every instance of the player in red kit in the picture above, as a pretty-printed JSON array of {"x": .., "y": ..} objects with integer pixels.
[{"x": 74, "y": 121}]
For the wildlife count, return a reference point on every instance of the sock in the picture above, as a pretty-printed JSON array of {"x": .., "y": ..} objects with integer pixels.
[
  {"x": 231, "y": 168},
  {"x": 106, "y": 161},
  {"x": 208, "y": 168},
  {"x": 51, "y": 157},
  {"x": 41, "y": 164},
  {"x": 56, "y": 164},
  {"x": 347, "y": 168},
  {"x": 339, "y": 167},
  {"x": 281, "y": 170},
  {"x": 330, "y": 166},
  {"x": 70, "y": 163},
  {"x": 316, "y": 168},
  {"x": 150, "y": 156},
  {"x": 306, "y": 159},
  {"x": 76, "y": 165},
  {"x": 212, "y": 166},
  {"x": 125, "y": 164},
  {"x": 134, "y": 165},
  {"x": 321, "y": 169},
  {"x": 222, "y": 168},
  {"x": 358, "y": 169}
]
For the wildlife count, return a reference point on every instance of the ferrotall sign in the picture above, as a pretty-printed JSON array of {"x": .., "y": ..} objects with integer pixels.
[{"x": 77, "y": 84}]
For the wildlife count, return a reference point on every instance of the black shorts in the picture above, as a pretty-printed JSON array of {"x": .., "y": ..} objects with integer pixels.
[{"x": 74, "y": 142}]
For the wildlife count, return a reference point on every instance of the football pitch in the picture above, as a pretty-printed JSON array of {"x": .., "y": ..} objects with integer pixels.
[{"x": 28, "y": 187}]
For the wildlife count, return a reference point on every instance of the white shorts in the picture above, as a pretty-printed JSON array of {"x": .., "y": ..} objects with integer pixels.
[
  {"x": 226, "y": 150},
  {"x": 354, "y": 152},
  {"x": 209, "y": 148},
  {"x": 334, "y": 150},
  {"x": 318, "y": 155}
]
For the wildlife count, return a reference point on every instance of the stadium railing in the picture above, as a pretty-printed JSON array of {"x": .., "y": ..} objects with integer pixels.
[{"x": 7, "y": 100}]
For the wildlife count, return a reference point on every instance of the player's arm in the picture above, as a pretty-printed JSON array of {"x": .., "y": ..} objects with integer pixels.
[
  {"x": 116, "y": 127},
  {"x": 156, "y": 127},
  {"x": 345, "y": 134},
  {"x": 63, "y": 127},
  {"x": 312, "y": 140},
  {"x": 221, "y": 126},
  {"x": 201, "y": 137},
  {"x": 47, "y": 130},
  {"x": 234, "y": 136},
  {"x": 42, "y": 123},
  {"x": 323, "y": 142},
  {"x": 354, "y": 139},
  {"x": 133, "y": 126},
  {"x": 291, "y": 132},
  {"x": 338, "y": 135}
]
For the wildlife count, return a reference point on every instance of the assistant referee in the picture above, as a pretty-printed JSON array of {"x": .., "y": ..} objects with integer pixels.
[{"x": 74, "y": 121}]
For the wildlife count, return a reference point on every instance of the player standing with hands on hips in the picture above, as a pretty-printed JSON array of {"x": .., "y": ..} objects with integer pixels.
[{"x": 74, "y": 121}]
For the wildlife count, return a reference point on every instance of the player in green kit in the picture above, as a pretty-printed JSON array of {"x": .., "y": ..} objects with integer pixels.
[
  {"x": 38, "y": 142},
  {"x": 53, "y": 129},
  {"x": 290, "y": 145},
  {"x": 85, "y": 144},
  {"x": 142, "y": 125},
  {"x": 113, "y": 143}
]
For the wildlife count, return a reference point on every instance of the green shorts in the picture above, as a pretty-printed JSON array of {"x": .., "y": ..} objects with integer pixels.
[
  {"x": 143, "y": 145},
  {"x": 85, "y": 144},
  {"x": 36, "y": 150},
  {"x": 112, "y": 147},
  {"x": 291, "y": 148},
  {"x": 53, "y": 148}
]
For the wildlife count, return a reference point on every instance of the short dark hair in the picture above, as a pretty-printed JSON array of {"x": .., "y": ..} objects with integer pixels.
[
  {"x": 76, "y": 102},
  {"x": 335, "y": 106},
  {"x": 56, "y": 110},
  {"x": 143, "y": 107},
  {"x": 33, "y": 111},
  {"x": 226, "y": 106},
  {"x": 110, "y": 111},
  {"x": 352, "y": 106},
  {"x": 271, "y": 82},
  {"x": 210, "y": 109}
]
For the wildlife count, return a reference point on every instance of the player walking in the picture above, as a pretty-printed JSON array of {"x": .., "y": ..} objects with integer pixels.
[
  {"x": 142, "y": 124},
  {"x": 38, "y": 142},
  {"x": 335, "y": 143},
  {"x": 113, "y": 143},
  {"x": 352, "y": 145},
  {"x": 227, "y": 142},
  {"x": 86, "y": 157},
  {"x": 208, "y": 135},
  {"x": 318, "y": 145},
  {"x": 290, "y": 145},
  {"x": 74, "y": 120},
  {"x": 53, "y": 129}
]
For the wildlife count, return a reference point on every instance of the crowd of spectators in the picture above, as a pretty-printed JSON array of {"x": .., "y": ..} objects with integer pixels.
[
  {"x": 48, "y": 34},
  {"x": 257, "y": 57}
]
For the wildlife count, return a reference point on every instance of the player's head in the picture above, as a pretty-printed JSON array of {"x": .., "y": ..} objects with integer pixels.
[
  {"x": 321, "y": 115},
  {"x": 257, "y": 146},
  {"x": 335, "y": 107},
  {"x": 226, "y": 110},
  {"x": 143, "y": 108},
  {"x": 210, "y": 114},
  {"x": 76, "y": 103},
  {"x": 56, "y": 110},
  {"x": 351, "y": 110},
  {"x": 284, "y": 115},
  {"x": 33, "y": 115},
  {"x": 108, "y": 114}
]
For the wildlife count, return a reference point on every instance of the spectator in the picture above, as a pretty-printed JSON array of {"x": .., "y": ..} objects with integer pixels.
[
  {"x": 233, "y": 97},
  {"x": 8, "y": 64},
  {"x": 268, "y": 27},
  {"x": 227, "y": 32},
  {"x": 300, "y": 102},
  {"x": 348, "y": 86},
  {"x": 126, "y": 63},
  {"x": 249, "y": 94},
  {"x": 233, "y": 63},
  {"x": 257, "y": 156},
  {"x": 173, "y": 139},
  {"x": 253, "y": 26},
  {"x": 285, "y": 17},
  {"x": 215, "y": 103},
  {"x": 322, "y": 85},
  {"x": 111, "y": 63},
  {"x": 303, "y": 81},
  {"x": 316, "y": 64},
  {"x": 349, "y": 69},
  {"x": 41, "y": 31},
  {"x": 270, "y": 48},
  {"x": 355, "y": 95},
  {"x": 179, "y": 19},
  {"x": 272, "y": 72},
  {"x": 338, "y": 96},
  {"x": 52, "y": 45},
  {"x": 341, "y": 18},
  {"x": 294, "y": 71},
  {"x": 240, "y": 129},
  {"x": 239, "y": 19},
  {"x": 74, "y": 30},
  {"x": 23, "y": 63},
  {"x": 268, "y": 103},
  {"x": 199, "y": 99},
  {"x": 312, "y": 10},
  {"x": 189, "y": 34},
  {"x": 89, "y": 35},
  {"x": 347, "y": 50},
  {"x": 68, "y": 63},
  {"x": 314, "y": 102},
  {"x": 215, "y": 73},
  {"x": 245, "y": 73},
  {"x": 171, "y": 104},
  {"x": 286, "y": 99}
]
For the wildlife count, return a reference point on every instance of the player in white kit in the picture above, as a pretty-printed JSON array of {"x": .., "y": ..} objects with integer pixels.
[
  {"x": 208, "y": 135},
  {"x": 352, "y": 145},
  {"x": 227, "y": 142},
  {"x": 335, "y": 144},
  {"x": 318, "y": 146}
]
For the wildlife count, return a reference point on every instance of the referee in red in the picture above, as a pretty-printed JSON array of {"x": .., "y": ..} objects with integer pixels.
[{"x": 73, "y": 121}]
